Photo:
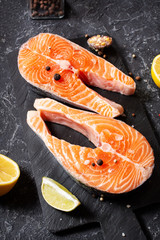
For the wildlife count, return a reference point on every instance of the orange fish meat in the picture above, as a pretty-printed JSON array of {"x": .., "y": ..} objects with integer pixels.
[
  {"x": 44, "y": 55},
  {"x": 121, "y": 161}
]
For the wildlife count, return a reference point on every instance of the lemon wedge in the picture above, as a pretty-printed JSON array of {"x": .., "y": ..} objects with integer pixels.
[
  {"x": 58, "y": 196},
  {"x": 155, "y": 70},
  {"x": 9, "y": 174}
]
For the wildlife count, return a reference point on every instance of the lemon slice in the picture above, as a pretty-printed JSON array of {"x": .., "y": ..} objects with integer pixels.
[
  {"x": 155, "y": 70},
  {"x": 58, "y": 196},
  {"x": 9, "y": 174}
]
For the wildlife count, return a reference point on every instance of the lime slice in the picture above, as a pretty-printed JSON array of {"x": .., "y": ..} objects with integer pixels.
[
  {"x": 155, "y": 70},
  {"x": 58, "y": 196}
]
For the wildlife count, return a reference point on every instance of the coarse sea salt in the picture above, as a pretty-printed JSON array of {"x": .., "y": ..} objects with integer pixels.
[{"x": 86, "y": 162}]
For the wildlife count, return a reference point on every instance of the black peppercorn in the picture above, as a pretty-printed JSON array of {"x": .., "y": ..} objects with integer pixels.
[
  {"x": 93, "y": 164},
  {"x": 57, "y": 76},
  {"x": 99, "y": 162},
  {"x": 48, "y": 68},
  {"x": 46, "y": 8}
]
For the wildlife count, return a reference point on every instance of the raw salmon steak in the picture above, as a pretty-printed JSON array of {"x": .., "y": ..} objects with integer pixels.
[
  {"x": 121, "y": 161},
  {"x": 45, "y": 55}
]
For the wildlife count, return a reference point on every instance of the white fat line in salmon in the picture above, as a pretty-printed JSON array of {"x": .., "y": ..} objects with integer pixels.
[{"x": 64, "y": 64}]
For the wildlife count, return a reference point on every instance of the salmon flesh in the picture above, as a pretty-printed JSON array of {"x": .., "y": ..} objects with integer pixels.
[
  {"x": 45, "y": 55},
  {"x": 121, "y": 161}
]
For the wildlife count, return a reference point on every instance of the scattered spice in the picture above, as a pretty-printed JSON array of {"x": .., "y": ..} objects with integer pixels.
[
  {"x": 48, "y": 68},
  {"x": 100, "y": 53},
  {"x": 101, "y": 199},
  {"x": 123, "y": 115},
  {"x": 102, "y": 195},
  {"x": 133, "y": 114},
  {"x": 86, "y": 36},
  {"x": 130, "y": 73},
  {"x": 128, "y": 205},
  {"x": 93, "y": 195},
  {"x": 132, "y": 126},
  {"x": 99, "y": 162},
  {"x": 138, "y": 78},
  {"x": 93, "y": 164},
  {"x": 57, "y": 76},
  {"x": 104, "y": 55},
  {"x": 115, "y": 160},
  {"x": 133, "y": 56},
  {"x": 123, "y": 234}
]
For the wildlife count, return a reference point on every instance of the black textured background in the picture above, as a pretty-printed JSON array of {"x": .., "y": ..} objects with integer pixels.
[{"x": 135, "y": 25}]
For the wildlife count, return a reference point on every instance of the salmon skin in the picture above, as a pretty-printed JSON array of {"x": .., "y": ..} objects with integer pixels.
[
  {"x": 46, "y": 54},
  {"x": 121, "y": 161}
]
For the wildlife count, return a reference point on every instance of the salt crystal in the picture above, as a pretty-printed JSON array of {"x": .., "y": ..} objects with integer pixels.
[
  {"x": 118, "y": 137},
  {"x": 86, "y": 162},
  {"x": 128, "y": 206},
  {"x": 131, "y": 151}
]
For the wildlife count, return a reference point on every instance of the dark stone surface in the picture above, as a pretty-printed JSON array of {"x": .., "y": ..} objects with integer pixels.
[{"x": 135, "y": 27}]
